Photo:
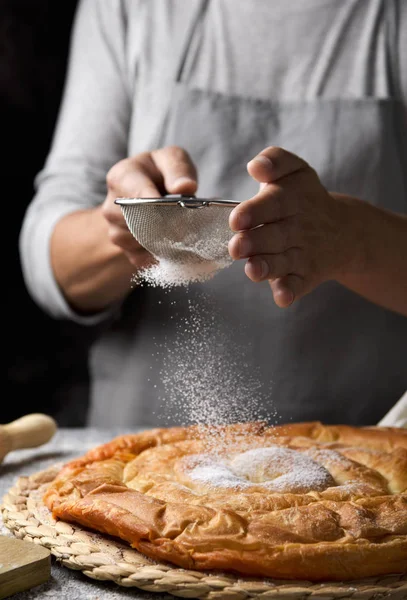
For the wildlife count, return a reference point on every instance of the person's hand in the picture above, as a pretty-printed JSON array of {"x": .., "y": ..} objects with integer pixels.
[
  {"x": 148, "y": 175},
  {"x": 293, "y": 232}
]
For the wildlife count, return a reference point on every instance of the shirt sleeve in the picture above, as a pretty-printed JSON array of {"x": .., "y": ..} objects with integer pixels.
[{"x": 90, "y": 136}]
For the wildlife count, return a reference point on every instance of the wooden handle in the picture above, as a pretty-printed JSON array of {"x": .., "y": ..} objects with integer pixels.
[{"x": 30, "y": 431}]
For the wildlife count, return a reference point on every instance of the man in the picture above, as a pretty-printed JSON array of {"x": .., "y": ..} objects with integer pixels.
[{"x": 161, "y": 92}]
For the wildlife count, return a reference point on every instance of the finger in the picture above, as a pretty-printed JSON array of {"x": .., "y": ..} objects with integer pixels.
[
  {"x": 272, "y": 266},
  {"x": 124, "y": 239},
  {"x": 133, "y": 184},
  {"x": 267, "y": 239},
  {"x": 288, "y": 289},
  {"x": 135, "y": 177},
  {"x": 140, "y": 258},
  {"x": 271, "y": 204},
  {"x": 274, "y": 163},
  {"x": 177, "y": 169}
]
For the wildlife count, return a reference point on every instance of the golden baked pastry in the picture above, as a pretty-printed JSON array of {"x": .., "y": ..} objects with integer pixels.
[{"x": 301, "y": 501}]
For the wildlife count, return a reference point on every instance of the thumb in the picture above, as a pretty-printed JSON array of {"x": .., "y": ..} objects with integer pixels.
[{"x": 274, "y": 163}]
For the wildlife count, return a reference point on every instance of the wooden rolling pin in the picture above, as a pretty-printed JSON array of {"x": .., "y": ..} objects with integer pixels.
[{"x": 27, "y": 432}]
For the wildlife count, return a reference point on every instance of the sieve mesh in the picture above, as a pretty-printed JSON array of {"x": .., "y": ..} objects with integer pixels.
[{"x": 183, "y": 234}]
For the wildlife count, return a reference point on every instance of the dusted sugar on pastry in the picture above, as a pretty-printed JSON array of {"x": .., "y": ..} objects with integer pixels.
[{"x": 302, "y": 501}]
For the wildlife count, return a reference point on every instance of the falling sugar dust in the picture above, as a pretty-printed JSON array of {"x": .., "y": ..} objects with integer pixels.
[
  {"x": 200, "y": 264},
  {"x": 205, "y": 375}
]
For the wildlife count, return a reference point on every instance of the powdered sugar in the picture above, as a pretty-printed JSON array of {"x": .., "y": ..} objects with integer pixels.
[
  {"x": 168, "y": 273},
  {"x": 326, "y": 456},
  {"x": 209, "y": 470},
  {"x": 189, "y": 245},
  {"x": 282, "y": 469},
  {"x": 207, "y": 377},
  {"x": 275, "y": 468}
]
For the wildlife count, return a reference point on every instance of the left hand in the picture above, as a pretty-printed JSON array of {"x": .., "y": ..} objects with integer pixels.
[{"x": 293, "y": 232}]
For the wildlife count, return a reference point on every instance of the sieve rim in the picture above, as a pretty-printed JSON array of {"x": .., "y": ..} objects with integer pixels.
[{"x": 177, "y": 200}]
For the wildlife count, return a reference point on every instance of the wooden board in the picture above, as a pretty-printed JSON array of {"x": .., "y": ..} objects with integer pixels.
[{"x": 23, "y": 565}]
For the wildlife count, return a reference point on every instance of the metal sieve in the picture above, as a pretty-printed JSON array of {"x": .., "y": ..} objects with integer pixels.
[{"x": 182, "y": 229}]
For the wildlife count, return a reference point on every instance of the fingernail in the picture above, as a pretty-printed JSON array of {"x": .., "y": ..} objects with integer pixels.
[
  {"x": 260, "y": 267},
  {"x": 183, "y": 181},
  {"x": 291, "y": 297},
  {"x": 241, "y": 219},
  {"x": 264, "y": 269},
  {"x": 244, "y": 247},
  {"x": 262, "y": 160}
]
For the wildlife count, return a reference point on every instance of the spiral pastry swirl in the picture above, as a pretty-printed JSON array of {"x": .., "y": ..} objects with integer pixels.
[{"x": 302, "y": 501}]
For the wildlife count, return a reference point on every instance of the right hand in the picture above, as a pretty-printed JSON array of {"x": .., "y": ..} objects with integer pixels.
[{"x": 153, "y": 174}]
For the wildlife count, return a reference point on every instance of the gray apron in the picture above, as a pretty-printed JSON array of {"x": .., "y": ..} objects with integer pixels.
[{"x": 332, "y": 356}]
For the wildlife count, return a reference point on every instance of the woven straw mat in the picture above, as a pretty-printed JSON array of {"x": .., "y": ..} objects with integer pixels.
[{"x": 104, "y": 558}]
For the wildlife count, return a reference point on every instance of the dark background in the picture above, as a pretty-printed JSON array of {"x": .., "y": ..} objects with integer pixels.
[{"x": 46, "y": 360}]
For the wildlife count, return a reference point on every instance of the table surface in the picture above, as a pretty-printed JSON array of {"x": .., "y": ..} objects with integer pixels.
[{"x": 65, "y": 584}]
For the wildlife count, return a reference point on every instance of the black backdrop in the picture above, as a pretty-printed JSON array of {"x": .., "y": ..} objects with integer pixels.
[{"x": 46, "y": 360}]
